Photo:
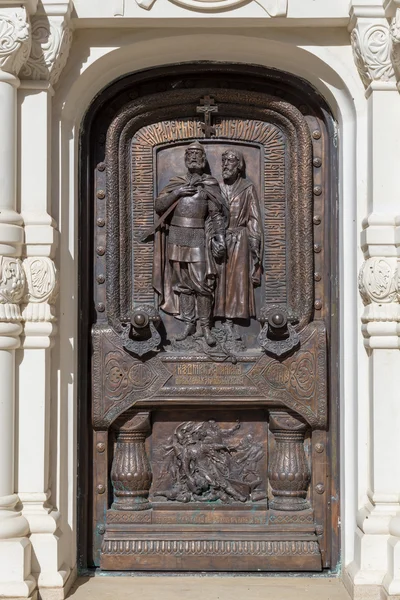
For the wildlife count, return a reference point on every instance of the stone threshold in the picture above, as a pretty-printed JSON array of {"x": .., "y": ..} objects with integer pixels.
[{"x": 212, "y": 587}]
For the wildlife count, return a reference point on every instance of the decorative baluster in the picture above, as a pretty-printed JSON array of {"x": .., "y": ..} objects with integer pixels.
[
  {"x": 288, "y": 472},
  {"x": 131, "y": 472}
]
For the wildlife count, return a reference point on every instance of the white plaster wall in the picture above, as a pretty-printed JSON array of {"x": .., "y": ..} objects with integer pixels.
[{"x": 320, "y": 55}]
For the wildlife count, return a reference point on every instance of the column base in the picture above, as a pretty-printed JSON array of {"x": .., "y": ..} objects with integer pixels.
[
  {"x": 385, "y": 596},
  {"x": 56, "y": 592},
  {"x": 34, "y": 596},
  {"x": 15, "y": 560},
  {"x": 359, "y": 591},
  {"x": 48, "y": 566},
  {"x": 16, "y": 580},
  {"x": 391, "y": 582},
  {"x": 370, "y": 565}
]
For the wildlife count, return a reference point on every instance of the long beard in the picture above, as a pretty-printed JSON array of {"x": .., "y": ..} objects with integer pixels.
[{"x": 229, "y": 175}]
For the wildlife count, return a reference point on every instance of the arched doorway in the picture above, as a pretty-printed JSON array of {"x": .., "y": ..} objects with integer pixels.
[{"x": 208, "y": 436}]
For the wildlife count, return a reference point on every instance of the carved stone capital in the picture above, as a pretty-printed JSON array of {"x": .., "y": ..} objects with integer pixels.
[
  {"x": 51, "y": 42},
  {"x": 15, "y": 39},
  {"x": 41, "y": 289},
  {"x": 371, "y": 45},
  {"x": 12, "y": 286}
]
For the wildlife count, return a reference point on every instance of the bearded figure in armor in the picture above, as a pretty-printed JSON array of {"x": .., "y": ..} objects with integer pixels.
[
  {"x": 189, "y": 243},
  {"x": 244, "y": 244}
]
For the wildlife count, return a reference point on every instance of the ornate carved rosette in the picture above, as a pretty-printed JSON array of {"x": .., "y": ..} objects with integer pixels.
[
  {"x": 378, "y": 280},
  {"x": 131, "y": 473},
  {"x": 289, "y": 473}
]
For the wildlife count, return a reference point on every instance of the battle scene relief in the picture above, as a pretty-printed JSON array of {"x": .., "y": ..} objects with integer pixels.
[{"x": 206, "y": 461}]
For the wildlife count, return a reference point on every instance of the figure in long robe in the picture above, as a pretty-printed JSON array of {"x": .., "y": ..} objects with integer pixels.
[{"x": 244, "y": 243}]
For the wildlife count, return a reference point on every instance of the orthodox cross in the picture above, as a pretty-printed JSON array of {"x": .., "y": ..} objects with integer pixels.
[{"x": 207, "y": 107}]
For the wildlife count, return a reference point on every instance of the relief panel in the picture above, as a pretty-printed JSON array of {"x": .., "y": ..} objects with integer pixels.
[{"x": 209, "y": 345}]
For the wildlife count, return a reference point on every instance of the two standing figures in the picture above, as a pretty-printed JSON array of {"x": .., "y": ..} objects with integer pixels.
[{"x": 208, "y": 245}]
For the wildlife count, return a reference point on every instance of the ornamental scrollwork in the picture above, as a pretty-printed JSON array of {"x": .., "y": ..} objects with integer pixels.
[
  {"x": 51, "y": 42},
  {"x": 41, "y": 288},
  {"x": 15, "y": 39},
  {"x": 372, "y": 53},
  {"x": 12, "y": 286},
  {"x": 12, "y": 280},
  {"x": 378, "y": 280},
  {"x": 395, "y": 42}
]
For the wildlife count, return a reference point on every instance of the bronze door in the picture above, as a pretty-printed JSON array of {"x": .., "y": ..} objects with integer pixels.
[{"x": 208, "y": 437}]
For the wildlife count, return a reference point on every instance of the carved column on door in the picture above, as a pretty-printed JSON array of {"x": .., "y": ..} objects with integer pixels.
[
  {"x": 289, "y": 473},
  {"x": 131, "y": 472}
]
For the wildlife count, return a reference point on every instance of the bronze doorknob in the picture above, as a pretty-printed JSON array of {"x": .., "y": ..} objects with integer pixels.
[
  {"x": 277, "y": 319},
  {"x": 140, "y": 319}
]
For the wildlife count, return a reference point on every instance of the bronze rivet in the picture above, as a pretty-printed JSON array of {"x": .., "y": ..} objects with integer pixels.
[
  {"x": 101, "y": 166},
  {"x": 317, "y": 276},
  {"x": 317, "y": 162},
  {"x": 100, "y": 278},
  {"x": 317, "y": 248},
  {"x": 319, "y": 530},
  {"x": 318, "y": 305},
  {"x": 316, "y": 220},
  {"x": 101, "y": 529},
  {"x": 101, "y": 222},
  {"x": 100, "y": 250},
  {"x": 320, "y": 488},
  {"x": 101, "y": 447},
  {"x": 101, "y": 194},
  {"x": 318, "y": 190},
  {"x": 316, "y": 134},
  {"x": 100, "y": 488},
  {"x": 319, "y": 447},
  {"x": 101, "y": 307}
]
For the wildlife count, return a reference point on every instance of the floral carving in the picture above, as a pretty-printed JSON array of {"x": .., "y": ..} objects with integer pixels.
[
  {"x": 12, "y": 286},
  {"x": 372, "y": 53},
  {"x": 15, "y": 40},
  {"x": 395, "y": 42},
  {"x": 12, "y": 280},
  {"x": 378, "y": 280},
  {"x": 51, "y": 42},
  {"x": 41, "y": 289}
]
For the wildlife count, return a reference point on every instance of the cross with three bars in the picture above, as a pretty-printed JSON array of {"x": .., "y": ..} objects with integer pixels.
[{"x": 208, "y": 108}]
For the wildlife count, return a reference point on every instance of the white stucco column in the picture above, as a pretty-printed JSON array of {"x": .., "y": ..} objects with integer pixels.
[
  {"x": 378, "y": 283},
  {"x": 15, "y": 549},
  {"x": 51, "y": 38}
]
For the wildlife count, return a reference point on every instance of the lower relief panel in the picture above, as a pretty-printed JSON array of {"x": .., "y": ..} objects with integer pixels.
[{"x": 214, "y": 490}]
